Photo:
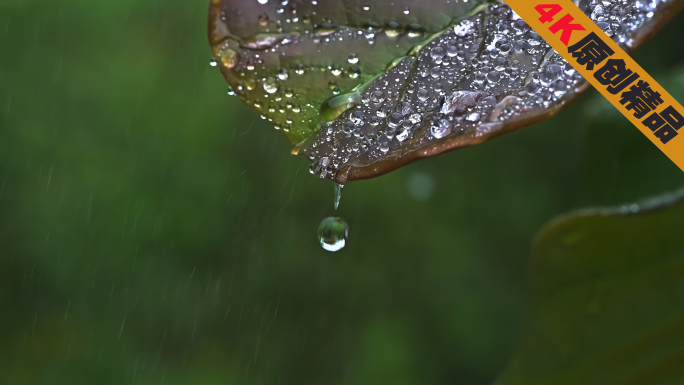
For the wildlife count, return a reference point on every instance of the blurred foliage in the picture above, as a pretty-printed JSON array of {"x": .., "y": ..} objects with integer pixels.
[
  {"x": 154, "y": 230},
  {"x": 606, "y": 299}
]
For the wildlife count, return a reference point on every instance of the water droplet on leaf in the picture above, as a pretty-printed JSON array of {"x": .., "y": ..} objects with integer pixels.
[
  {"x": 441, "y": 129},
  {"x": 270, "y": 85}
]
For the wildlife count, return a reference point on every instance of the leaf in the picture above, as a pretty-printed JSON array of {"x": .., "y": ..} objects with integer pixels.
[
  {"x": 285, "y": 61},
  {"x": 364, "y": 87},
  {"x": 607, "y": 299}
]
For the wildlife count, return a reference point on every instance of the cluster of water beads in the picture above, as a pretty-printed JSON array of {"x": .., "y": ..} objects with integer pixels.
[
  {"x": 469, "y": 80},
  {"x": 319, "y": 51},
  {"x": 493, "y": 51},
  {"x": 334, "y": 231}
]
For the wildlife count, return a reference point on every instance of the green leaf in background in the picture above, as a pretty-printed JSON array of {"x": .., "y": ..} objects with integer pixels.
[
  {"x": 364, "y": 87},
  {"x": 607, "y": 299}
]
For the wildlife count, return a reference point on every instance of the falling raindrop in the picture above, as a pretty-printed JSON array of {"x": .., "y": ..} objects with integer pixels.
[
  {"x": 338, "y": 194},
  {"x": 333, "y": 233}
]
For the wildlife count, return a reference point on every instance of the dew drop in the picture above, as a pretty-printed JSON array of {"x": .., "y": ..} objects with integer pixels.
[
  {"x": 335, "y": 106},
  {"x": 405, "y": 108},
  {"x": 473, "y": 117},
  {"x": 493, "y": 76},
  {"x": 333, "y": 233},
  {"x": 392, "y": 29},
  {"x": 377, "y": 96},
  {"x": 442, "y": 129},
  {"x": 356, "y": 117},
  {"x": 395, "y": 119},
  {"x": 270, "y": 85},
  {"x": 532, "y": 88},
  {"x": 423, "y": 94},
  {"x": 437, "y": 53},
  {"x": 229, "y": 58},
  {"x": 403, "y": 134},
  {"x": 464, "y": 28}
]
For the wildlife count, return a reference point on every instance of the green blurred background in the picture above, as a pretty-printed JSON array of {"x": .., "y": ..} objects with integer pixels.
[{"x": 154, "y": 230}]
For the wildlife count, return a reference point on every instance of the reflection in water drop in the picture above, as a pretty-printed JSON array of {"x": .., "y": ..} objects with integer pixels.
[
  {"x": 333, "y": 233},
  {"x": 338, "y": 194}
]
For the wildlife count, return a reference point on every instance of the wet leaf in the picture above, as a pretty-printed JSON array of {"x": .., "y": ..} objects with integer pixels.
[
  {"x": 364, "y": 87},
  {"x": 285, "y": 61},
  {"x": 607, "y": 299}
]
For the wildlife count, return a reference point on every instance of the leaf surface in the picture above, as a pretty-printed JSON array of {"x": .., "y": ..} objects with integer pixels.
[{"x": 364, "y": 87}]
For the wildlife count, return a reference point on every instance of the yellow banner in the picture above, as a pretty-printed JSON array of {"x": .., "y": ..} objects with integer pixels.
[{"x": 609, "y": 69}]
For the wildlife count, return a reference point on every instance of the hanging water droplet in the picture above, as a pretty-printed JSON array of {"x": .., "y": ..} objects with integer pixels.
[
  {"x": 338, "y": 194},
  {"x": 333, "y": 233}
]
